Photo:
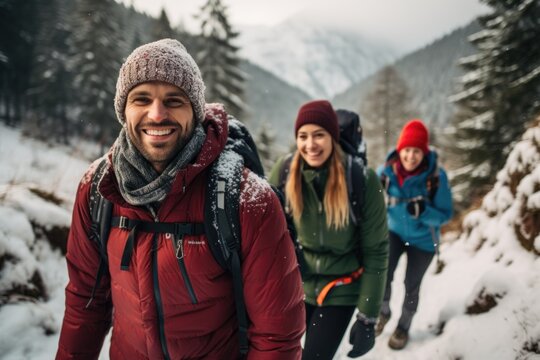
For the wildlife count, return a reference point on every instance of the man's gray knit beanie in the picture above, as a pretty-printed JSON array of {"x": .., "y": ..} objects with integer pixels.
[{"x": 165, "y": 60}]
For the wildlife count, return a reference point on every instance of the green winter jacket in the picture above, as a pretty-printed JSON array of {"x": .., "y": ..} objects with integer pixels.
[{"x": 331, "y": 253}]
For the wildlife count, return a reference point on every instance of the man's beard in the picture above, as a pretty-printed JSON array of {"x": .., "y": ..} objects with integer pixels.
[{"x": 165, "y": 158}]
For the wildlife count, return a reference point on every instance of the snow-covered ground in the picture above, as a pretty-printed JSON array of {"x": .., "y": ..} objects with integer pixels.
[
  {"x": 29, "y": 171},
  {"x": 485, "y": 264}
]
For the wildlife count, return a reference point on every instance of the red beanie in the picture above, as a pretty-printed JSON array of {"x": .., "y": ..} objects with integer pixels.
[
  {"x": 318, "y": 112},
  {"x": 414, "y": 134}
]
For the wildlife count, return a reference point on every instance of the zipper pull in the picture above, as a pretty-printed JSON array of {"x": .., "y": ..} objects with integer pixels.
[
  {"x": 184, "y": 183},
  {"x": 320, "y": 207},
  {"x": 180, "y": 248}
]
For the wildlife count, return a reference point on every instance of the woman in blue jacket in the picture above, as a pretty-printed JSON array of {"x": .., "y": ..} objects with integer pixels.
[{"x": 419, "y": 201}]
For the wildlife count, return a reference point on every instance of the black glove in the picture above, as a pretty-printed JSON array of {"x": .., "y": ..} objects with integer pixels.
[
  {"x": 362, "y": 337},
  {"x": 416, "y": 207}
]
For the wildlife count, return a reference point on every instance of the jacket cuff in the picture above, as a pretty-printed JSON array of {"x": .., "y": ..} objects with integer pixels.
[{"x": 365, "y": 319}]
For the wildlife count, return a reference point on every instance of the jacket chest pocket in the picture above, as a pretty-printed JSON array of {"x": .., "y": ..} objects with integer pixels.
[
  {"x": 198, "y": 257},
  {"x": 192, "y": 258}
]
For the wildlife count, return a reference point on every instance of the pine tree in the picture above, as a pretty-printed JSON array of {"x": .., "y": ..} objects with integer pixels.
[
  {"x": 265, "y": 141},
  {"x": 162, "y": 27},
  {"x": 96, "y": 59},
  {"x": 218, "y": 59},
  {"x": 51, "y": 81},
  {"x": 18, "y": 29},
  {"x": 387, "y": 108},
  {"x": 500, "y": 93}
]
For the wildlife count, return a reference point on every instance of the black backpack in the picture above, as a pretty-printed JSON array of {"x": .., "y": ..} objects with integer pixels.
[
  {"x": 350, "y": 134},
  {"x": 352, "y": 143},
  {"x": 221, "y": 212}
]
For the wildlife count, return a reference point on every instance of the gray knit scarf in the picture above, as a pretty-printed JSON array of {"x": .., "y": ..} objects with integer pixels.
[{"x": 139, "y": 183}]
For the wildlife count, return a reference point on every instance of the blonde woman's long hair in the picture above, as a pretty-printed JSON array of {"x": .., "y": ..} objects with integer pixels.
[{"x": 335, "y": 202}]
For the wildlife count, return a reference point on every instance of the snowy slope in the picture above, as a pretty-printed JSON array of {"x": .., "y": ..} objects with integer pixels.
[
  {"x": 487, "y": 262},
  {"x": 319, "y": 60},
  {"x": 32, "y": 267}
]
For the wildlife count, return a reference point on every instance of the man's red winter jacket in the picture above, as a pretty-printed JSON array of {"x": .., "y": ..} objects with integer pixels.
[{"x": 152, "y": 297}]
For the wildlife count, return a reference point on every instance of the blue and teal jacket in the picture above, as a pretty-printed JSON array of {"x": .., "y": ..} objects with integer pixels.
[{"x": 422, "y": 232}]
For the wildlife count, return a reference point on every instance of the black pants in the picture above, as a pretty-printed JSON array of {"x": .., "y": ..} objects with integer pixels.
[
  {"x": 325, "y": 327},
  {"x": 417, "y": 263}
]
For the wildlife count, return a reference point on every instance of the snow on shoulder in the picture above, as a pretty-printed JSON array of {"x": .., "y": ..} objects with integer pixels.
[
  {"x": 254, "y": 187},
  {"x": 226, "y": 167},
  {"x": 216, "y": 112},
  {"x": 255, "y": 192},
  {"x": 87, "y": 177}
]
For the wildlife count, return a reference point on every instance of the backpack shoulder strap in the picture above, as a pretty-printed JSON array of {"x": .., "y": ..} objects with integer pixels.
[
  {"x": 222, "y": 227},
  {"x": 356, "y": 183},
  {"x": 101, "y": 214},
  {"x": 284, "y": 171},
  {"x": 241, "y": 142},
  {"x": 432, "y": 183},
  {"x": 100, "y": 210},
  {"x": 432, "y": 179},
  {"x": 385, "y": 181}
]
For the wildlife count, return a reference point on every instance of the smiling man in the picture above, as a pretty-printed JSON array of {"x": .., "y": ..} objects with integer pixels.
[
  {"x": 171, "y": 298},
  {"x": 159, "y": 120}
]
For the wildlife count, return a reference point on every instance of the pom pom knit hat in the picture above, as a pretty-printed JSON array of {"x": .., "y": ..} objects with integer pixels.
[
  {"x": 165, "y": 60},
  {"x": 318, "y": 112},
  {"x": 414, "y": 134}
]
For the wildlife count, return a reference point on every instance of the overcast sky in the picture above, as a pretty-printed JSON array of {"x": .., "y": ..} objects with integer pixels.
[{"x": 410, "y": 23}]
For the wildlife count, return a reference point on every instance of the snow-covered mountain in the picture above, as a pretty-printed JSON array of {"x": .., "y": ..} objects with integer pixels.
[
  {"x": 272, "y": 103},
  {"x": 430, "y": 73},
  {"x": 320, "y": 60},
  {"x": 481, "y": 303}
]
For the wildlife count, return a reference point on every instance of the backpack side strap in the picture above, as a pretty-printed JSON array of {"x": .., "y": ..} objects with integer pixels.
[
  {"x": 284, "y": 172},
  {"x": 432, "y": 183},
  {"x": 100, "y": 213},
  {"x": 356, "y": 184}
]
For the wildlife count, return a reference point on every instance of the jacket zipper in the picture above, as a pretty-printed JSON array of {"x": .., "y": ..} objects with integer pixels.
[
  {"x": 321, "y": 240},
  {"x": 321, "y": 226},
  {"x": 178, "y": 244},
  {"x": 157, "y": 292},
  {"x": 318, "y": 261},
  {"x": 157, "y": 296}
]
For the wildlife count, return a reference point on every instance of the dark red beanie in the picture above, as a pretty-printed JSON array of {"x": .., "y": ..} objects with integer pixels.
[
  {"x": 414, "y": 134},
  {"x": 318, "y": 112}
]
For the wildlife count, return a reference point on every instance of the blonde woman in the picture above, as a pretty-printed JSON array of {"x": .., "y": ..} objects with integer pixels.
[{"x": 345, "y": 261}]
